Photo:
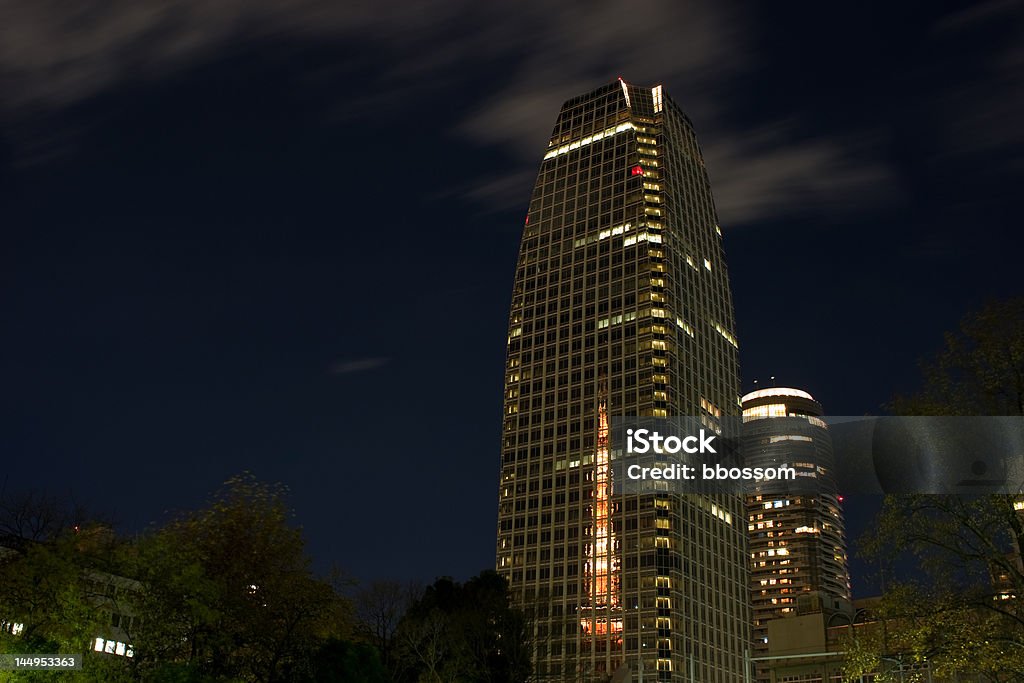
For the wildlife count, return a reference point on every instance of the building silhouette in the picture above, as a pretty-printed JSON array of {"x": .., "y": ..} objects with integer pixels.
[
  {"x": 798, "y": 562},
  {"x": 621, "y": 307}
]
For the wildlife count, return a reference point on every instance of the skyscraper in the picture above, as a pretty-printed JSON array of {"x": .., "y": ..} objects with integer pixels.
[
  {"x": 797, "y": 535},
  {"x": 621, "y": 307}
]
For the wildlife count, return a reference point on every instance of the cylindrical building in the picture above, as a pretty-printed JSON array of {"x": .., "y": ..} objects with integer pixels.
[{"x": 798, "y": 557}]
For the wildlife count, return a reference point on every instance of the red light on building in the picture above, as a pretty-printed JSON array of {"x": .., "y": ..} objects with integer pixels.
[{"x": 637, "y": 170}]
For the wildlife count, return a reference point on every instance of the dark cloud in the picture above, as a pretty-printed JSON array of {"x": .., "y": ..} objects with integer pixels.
[
  {"x": 978, "y": 14},
  {"x": 769, "y": 173},
  {"x": 699, "y": 51},
  {"x": 347, "y": 367},
  {"x": 981, "y": 110},
  {"x": 52, "y": 53},
  {"x": 702, "y": 52},
  {"x": 574, "y": 48}
]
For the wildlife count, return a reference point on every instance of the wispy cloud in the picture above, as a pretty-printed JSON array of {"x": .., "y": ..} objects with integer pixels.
[
  {"x": 53, "y": 53},
  {"x": 50, "y": 57},
  {"x": 982, "y": 110},
  {"x": 700, "y": 51},
  {"x": 977, "y": 14},
  {"x": 771, "y": 172},
  {"x": 348, "y": 367},
  {"x": 575, "y": 47}
]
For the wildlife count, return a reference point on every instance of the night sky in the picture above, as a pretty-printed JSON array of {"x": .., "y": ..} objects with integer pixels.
[{"x": 281, "y": 236}]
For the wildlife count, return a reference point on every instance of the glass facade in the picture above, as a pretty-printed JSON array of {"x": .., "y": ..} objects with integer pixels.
[
  {"x": 621, "y": 307},
  {"x": 798, "y": 561}
]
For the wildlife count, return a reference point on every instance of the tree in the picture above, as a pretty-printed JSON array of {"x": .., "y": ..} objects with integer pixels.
[
  {"x": 224, "y": 593},
  {"x": 465, "y": 632},
  {"x": 980, "y": 370},
  {"x": 37, "y": 517},
  {"x": 48, "y": 590},
  {"x": 342, "y": 661},
  {"x": 962, "y": 610},
  {"x": 379, "y": 607},
  {"x": 229, "y": 593}
]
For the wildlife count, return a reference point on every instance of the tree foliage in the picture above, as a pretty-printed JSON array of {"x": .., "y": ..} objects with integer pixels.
[
  {"x": 962, "y": 609},
  {"x": 379, "y": 608},
  {"x": 224, "y": 593},
  {"x": 229, "y": 590},
  {"x": 979, "y": 371},
  {"x": 342, "y": 661},
  {"x": 464, "y": 632},
  {"x": 48, "y": 589},
  {"x": 44, "y": 592},
  {"x": 36, "y": 517}
]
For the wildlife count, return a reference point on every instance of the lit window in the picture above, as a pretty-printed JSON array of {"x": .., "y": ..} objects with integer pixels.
[
  {"x": 710, "y": 407},
  {"x": 572, "y": 146},
  {"x": 789, "y": 437},
  {"x": 686, "y": 328},
  {"x": 727, "y": 335}
]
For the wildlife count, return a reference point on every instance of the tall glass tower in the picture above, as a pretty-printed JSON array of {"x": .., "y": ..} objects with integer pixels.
[
  {"x": 621, "y": 307},
  {"x": 798, "y": 557}
]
